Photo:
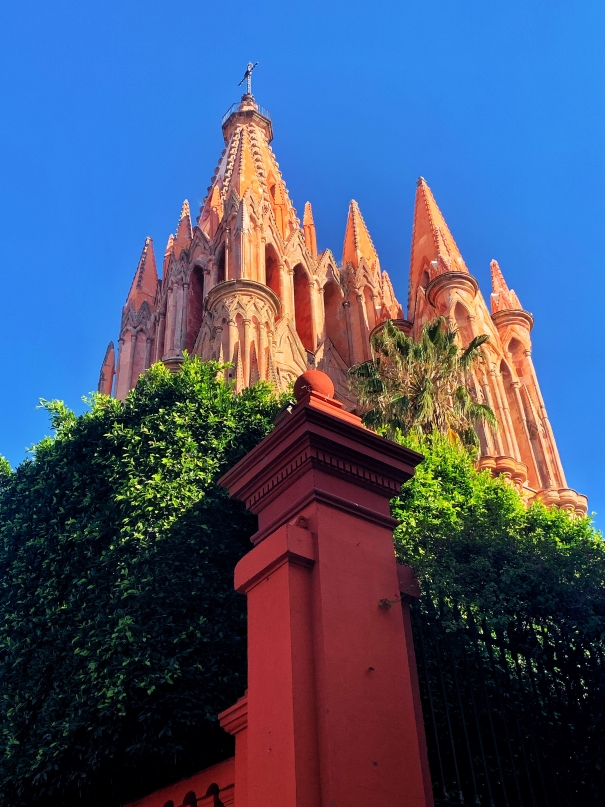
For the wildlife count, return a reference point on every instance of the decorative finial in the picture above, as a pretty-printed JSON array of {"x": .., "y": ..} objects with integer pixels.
[
  {"x": 248, "y": 78},
  {"x": 313, "y": 381}
]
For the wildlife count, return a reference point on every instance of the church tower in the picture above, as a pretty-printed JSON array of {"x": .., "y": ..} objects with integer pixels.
[
  {"x": 523, "y": 448},
  {"x": 246, "y": 285}
]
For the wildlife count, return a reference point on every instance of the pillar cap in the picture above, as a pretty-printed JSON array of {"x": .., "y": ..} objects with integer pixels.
[{"x": 310, "y": 454}]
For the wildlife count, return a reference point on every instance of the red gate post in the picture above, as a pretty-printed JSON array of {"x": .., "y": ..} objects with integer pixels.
[{"x": 331, "y": 718}]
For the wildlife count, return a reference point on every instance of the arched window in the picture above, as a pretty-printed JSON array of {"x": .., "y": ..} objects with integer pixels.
[
  {"x": 336, "y": 323},
  {"x": 463, "y": 324},
  {"x": 195, "y": 306},
  {"x": 302, "y": 307},
  {"x": 220, "y": 266},
  {"x": 515, "y": 348},
  {"x": 272, "y": 269}
]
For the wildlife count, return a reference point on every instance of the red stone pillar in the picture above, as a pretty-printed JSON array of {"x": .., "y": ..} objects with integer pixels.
[{"x": 332, "y": 720}]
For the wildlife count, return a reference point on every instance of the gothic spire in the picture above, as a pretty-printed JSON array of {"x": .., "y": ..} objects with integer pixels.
[
  {"x": 502, "y": 297},
  {"x": 434, "y": 250},
  {"x": 107, "y": 370},
  {"x": 145, "y": 282},
  {"x": 184, "y": 233},
  {"x": 358, "y": 243},
  {"x": 309, "y": 229}
]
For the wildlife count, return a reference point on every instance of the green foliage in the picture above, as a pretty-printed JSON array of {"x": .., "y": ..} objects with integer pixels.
[
  {"x": 418, "y": 387},
  {"x": 120, "y": 634},
  {"x": 471, "y": 540},
  {"x": 5, "y": 471}
]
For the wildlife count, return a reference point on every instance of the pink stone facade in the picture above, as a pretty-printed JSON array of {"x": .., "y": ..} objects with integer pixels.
[{"x": 247, "y": 285}]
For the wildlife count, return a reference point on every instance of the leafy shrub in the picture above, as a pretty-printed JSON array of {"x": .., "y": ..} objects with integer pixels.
[
  {"x": 121, "y": 637},
  {"x": 471, "y": 539}
]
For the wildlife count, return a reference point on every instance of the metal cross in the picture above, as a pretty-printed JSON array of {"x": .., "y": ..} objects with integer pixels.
[{"x": 248, "y": 77}]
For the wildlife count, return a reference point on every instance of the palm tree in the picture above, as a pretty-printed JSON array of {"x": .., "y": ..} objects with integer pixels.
[{"x": 419, "y": 388}]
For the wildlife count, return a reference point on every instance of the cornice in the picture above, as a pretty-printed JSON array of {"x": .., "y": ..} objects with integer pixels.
[
  {"x": 242, "y": 285},
  {"x": 451, "y": 280},
  {"x": 403, "y": 325},
  {"x": 513, "y": 316},
  {"x": 319, "y": 436}
]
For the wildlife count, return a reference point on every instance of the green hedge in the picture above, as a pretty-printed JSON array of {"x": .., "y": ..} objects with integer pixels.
[{"x": 121, "y": 637}]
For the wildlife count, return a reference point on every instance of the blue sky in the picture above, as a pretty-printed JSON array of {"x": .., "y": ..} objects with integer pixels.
[{"x": 110, "y": 117}]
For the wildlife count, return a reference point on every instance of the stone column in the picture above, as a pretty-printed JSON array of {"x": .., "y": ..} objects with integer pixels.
[
  {"x": 159, "y": 345},
  {"x": 169, "y": 330},
  {"x": 123, "y": 372},
  {"x": 262, "y": 351},
  {"x": 347, "y": 307},
  {"x": 322, "y": 305},
  {"x": 363, "y": 327},
  {"x": 331, "y": 716},
  {"x": 502, "y": 409},
  {"x": 178, "y": 320},
  {"x": 227, "y": 250},
  {"x": 183, "y": 333},
  {"x": 313, "y": 307},
  {"x": 551, "y": 452},
  {"x": 283, "y": 294},
  {"x": 291, "y": 296},
  {"x": 215, "y": 346},
  {"x": 233, "y": 340},
  {"x": 246, "y": 353},
  {"x": 133, "y": 347},
  {"x": 490, "y": 402}
]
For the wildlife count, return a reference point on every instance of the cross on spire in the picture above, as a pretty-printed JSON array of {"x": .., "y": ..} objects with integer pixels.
[{"x": 248, "y": 77}]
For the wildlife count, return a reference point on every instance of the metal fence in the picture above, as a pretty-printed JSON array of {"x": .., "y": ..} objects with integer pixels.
[{"x": 514, "y": 716}]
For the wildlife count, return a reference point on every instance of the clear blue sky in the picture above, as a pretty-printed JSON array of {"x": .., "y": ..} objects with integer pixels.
[{"x": 110, "y": 117}]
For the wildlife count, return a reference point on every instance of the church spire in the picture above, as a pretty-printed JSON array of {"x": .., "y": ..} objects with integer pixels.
[
  {"x": 107, "y": 370},
  {"x": 502, "y": 297},
  {"x": 358, "y": 243},
  {"x": 309, "y": 230},
  {"x": 184, "y": 232},
  {"x": 434, "y": 250},
  {"x": 145, "y": 282}
]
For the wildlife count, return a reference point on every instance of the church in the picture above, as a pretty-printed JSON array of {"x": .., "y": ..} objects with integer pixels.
[{"x": 246, "y": 285}]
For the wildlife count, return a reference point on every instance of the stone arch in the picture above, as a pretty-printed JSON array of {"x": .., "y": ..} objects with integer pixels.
[
  {"x": 303, "y": 314},
  {"x": 336, "y": 323},
  {"x": 517, "y": 353},
  {"x": 463, "y": 324},
  {"x": 272, "y": 270}
]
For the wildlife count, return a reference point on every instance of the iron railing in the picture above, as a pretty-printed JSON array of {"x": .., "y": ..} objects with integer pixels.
[
  {"x": 514, "y": 717},
  {"x": 235, "y": 107}
]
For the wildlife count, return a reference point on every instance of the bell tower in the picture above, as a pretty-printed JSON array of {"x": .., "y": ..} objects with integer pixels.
[{"x": 246, "y": 284}]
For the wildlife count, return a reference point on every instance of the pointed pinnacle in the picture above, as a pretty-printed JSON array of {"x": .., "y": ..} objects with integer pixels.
[
  {"x": 498, "y": 281},
  {"x": 308, "y": 214}
]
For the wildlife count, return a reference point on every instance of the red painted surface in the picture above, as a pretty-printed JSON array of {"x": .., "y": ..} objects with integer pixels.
[
  {"x": 221, "y": 775},
  {"x": 330, "y": 717}
]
